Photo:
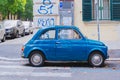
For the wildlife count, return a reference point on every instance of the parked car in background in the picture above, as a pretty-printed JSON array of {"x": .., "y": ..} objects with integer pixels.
[
  {"x": 14, "y": 28},
  {"x": 28, "y": 27},
  {"x": 2, "y": 33},
  {"x": 64, "y": 43}
]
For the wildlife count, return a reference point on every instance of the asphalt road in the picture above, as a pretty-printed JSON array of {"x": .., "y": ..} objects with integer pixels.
[
  {"x": 11, "y": 48},
  {"x": 62, "y": 71}
]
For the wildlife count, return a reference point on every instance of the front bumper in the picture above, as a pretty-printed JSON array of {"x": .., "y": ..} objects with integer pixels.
[
  {"x": 9, "y": 33},
  {"x": 22, "y": 55}
]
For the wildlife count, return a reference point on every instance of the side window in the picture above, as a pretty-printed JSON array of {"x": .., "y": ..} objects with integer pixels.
[
  {"x": 20, "y": 23},
  {"x": 50, "y": 34},
  {"x": 68, "y": 34}
]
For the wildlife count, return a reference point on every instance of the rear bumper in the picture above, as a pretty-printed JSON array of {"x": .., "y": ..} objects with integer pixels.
[
  {"x": 22, "y": 54},
  {"x": 108, "y": 56}
]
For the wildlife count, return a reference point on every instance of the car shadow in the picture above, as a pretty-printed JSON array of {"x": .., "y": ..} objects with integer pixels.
[{"x": 70, "y": 64}]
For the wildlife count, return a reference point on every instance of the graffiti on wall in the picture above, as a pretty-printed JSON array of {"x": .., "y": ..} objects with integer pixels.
[
  {"x": 46, "y": 7},
  {"x": 45, "y": 12},
  {"x": 45, "y": 22},
  {"x": 41, "y": 1}
]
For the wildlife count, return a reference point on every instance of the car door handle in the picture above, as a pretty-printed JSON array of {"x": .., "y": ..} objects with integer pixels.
[{"x": 57, "y": 42}]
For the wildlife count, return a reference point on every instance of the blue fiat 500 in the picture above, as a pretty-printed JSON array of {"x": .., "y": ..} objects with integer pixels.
[{"x": 63, "y": 43}]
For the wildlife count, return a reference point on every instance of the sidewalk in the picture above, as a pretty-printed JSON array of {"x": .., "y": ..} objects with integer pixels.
[{"x": 113, "y": 48}]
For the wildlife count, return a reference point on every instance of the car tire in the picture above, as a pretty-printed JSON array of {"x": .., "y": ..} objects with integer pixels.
[
  {"x": 17, "y": 35},
  {"x": 96, "y": 59},
  {"x": 4, "y": 38},
  {"x": 23, "y": 34},
  {"x": 32, "y": 32},
  {"x": 36, "y": 59},
  {"x": 29, "y": 33}
]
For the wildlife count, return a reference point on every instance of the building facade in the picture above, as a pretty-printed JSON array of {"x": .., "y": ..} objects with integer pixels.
[{"x": 81, "y": 13}]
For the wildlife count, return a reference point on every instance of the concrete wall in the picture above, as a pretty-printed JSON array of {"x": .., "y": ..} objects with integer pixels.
[
  {"x": 109, "y": 30},
  {"x": 45, "y": 13}
]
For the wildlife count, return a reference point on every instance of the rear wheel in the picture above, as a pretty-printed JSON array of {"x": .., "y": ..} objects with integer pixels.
[
  {"x": 36, "y": 59},
  {"x": 96, "y": 59},
  {"x": 4, "y": 38}
]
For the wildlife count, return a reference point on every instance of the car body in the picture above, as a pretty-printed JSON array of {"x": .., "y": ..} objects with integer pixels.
[
  {"x": 14, "y": 28},
  {"x": 28, "y": 27},
  {"x": 64, "y": 43},
  {"x": 2, "y": 33}
]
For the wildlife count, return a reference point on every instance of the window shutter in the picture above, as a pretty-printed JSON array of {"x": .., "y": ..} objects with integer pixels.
[
  {"x": 87, "y": 10},
  {"x": 115, "y": 9}
]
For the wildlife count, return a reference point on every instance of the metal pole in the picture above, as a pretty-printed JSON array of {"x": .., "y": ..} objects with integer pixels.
[{"x": 97, "y": 11}]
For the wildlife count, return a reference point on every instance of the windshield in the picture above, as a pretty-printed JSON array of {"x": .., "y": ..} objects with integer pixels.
[{"x": 26, "y": 24}]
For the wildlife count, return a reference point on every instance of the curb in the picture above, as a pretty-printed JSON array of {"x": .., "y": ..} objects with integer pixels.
[
  {"x": 113, "y": 59},
  {"x": 22, "y": 59},
  {"x": 12, "y": 59}
]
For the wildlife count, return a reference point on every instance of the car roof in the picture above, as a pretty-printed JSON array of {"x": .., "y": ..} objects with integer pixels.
[
  {"x": 55, "y": 27},
  {"x": 61, "y": 27}
]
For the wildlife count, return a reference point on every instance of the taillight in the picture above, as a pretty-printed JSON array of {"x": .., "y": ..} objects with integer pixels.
[{"x": 22, "y": 48}]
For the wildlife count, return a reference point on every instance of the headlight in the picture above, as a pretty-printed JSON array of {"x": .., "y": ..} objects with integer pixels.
[{"x": 102, "y": 44}]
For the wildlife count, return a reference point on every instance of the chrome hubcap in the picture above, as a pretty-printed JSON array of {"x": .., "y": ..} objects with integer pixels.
[
  {"x": 97, "y": 59},
  {"x": 36, "y": 59}
]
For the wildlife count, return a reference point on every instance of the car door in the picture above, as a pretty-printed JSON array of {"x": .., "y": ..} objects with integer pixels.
[
  {"x": 46, "y": 42},
  {"x": 70, "y": 45}
]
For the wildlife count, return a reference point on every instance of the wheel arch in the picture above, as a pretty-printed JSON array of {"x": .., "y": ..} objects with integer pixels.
[
  {"x": 96, "y": 50},
  {"x": 41, "y": 52}
]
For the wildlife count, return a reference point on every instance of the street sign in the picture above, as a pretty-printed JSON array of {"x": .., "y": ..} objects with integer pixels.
[{"x": 61, "y": 4}]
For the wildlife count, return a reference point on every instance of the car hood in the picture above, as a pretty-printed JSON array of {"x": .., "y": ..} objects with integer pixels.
[
  {"x": 26, "y": 27},
  {"x": 95, "y": 42},
  {"x": 8, "y": 27}
]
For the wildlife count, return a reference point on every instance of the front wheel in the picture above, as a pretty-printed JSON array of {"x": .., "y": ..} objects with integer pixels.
[
  {"x": 23, "y": 34},
  {"x": 96, "y": 59},
  {"x": 16, "y": 35},
  {"x": 36, "y": 59}
]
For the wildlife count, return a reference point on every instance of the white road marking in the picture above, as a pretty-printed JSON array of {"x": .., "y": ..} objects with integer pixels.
[
  {"x": 12, "y": 59},
  {"x": 20, "y": 70},
  {"x": 27, "y": 67},
  {"x": 36, "y": 74}
]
